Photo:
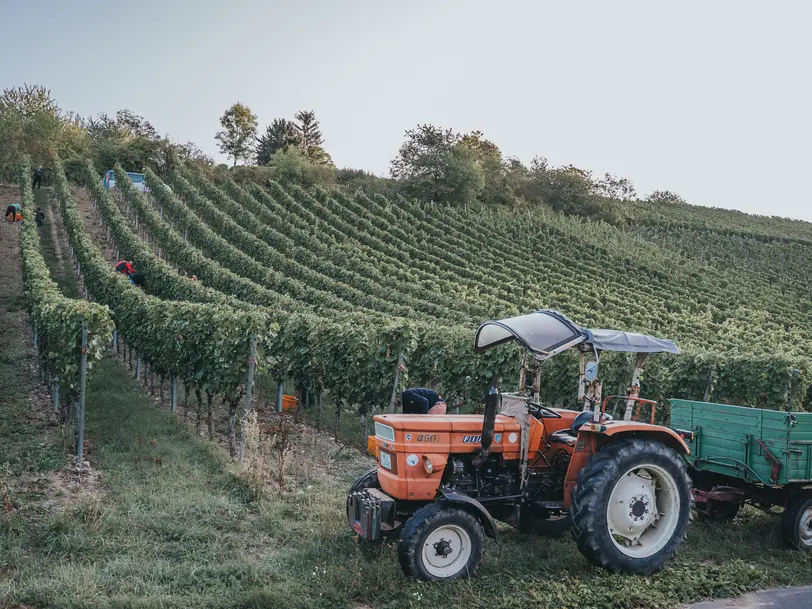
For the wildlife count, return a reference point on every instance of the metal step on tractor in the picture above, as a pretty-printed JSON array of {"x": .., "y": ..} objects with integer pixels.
[{"x": 441, "y": 482}]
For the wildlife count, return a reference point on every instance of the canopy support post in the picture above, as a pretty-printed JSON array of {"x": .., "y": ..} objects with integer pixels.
[
  {"x": 634, "y": 392},
  {"x": 537, "y": 384},
  {"x": 523, "y": 372},
  {"x": 581, "y": 378}
]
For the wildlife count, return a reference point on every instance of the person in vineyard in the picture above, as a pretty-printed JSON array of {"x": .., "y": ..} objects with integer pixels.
[
  {"x": 36, "y": 182},
  {"x": 124, "y": 266},
  {"x": 11, "y": 212},
  {"x": 39, "y": 217},
  {"x": 419, "y": 400},
  {"x": 138, "y": 280}
]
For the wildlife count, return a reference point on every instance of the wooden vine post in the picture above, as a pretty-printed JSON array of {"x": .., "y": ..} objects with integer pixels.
[
  {"x": 709, "y": 385},
  {"x": 279, "y": 396},
  {"x": 80, "y": 411},
  {"x": 56, "y": 393},
  {"x": 249, "y": 387},
  {"x": 395, "y": 385},
  {"x": 174, "y": 392}
]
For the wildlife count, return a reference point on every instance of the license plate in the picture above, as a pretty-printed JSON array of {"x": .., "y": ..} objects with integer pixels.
[{"x": 386, "y": 460}]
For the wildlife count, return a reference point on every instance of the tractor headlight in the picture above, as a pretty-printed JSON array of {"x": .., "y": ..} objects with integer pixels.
[{"x": 427, "y": 465}]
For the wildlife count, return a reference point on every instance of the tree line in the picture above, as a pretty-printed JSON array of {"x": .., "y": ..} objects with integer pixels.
[
  {"x": 433, "y": 164},
  {"x": 32, "y": 123}
]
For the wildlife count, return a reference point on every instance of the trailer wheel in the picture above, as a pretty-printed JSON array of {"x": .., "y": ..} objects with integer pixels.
[
  {"x": 631, "y": 506},
  {"x": 440, "y": 543},
  {"x": 796, "y": 522}
]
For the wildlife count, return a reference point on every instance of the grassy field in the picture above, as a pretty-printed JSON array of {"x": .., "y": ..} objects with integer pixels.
[{"x": 167, "y": 521}]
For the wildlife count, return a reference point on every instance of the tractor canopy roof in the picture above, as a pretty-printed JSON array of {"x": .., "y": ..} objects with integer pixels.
[{"x": 546, "y": 333}]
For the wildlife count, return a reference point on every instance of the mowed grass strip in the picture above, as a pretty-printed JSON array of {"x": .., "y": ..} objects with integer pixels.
[
  {"x": 169, "y": 524},
  {"x": 190, "y": 533}
]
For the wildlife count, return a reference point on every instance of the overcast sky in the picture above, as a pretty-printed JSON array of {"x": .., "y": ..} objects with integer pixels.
[{"x": 709, "y": 99}]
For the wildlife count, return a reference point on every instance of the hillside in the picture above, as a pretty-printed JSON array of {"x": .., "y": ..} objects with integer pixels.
[
  {"x": 725, "y": 285},
  {"x": 331, "y": 288},
  {"x": 336, "y": 288}
]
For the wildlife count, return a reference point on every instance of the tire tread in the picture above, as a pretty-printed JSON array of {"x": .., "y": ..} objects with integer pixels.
[
  {"x": 789, "y": 519},
  {"x": 601, "y": 472},
  {"x": 423, "y": 519}
]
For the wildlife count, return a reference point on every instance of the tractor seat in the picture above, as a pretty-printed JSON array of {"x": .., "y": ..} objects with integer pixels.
[{"x": 570, "y": 436}]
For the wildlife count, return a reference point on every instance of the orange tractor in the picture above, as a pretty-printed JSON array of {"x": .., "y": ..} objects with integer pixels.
[{"x": 620, "y": 486}]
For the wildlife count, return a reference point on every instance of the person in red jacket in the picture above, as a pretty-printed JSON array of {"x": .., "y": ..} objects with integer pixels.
[{"x": 125, "y": 266}]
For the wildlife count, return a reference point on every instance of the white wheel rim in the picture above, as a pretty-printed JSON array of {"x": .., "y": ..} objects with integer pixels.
[
  {"x": 446, "y": 551},
  {"x": 805, "y": 528},
  {"x": 643, "y": 510}
]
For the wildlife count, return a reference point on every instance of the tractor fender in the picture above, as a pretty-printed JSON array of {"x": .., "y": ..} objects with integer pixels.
[
  {"x": 623, "y": 429},
  {"x": 474, "y": 506}
]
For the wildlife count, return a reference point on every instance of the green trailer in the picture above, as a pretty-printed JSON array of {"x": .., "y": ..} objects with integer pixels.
[{"x": 749, "y": 455}]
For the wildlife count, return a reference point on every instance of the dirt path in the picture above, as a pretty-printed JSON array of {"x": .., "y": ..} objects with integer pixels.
[
  {"x": 19, "y": 374},
  {"x": 16, "y": 342},
  {"x": 55, "y": 221},
  {"x": 93, "y": 225},
  {"x": 31, "y": 439}
]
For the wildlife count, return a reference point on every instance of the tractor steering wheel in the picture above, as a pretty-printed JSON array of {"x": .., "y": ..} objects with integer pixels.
[{"x": 537, "y": 410}]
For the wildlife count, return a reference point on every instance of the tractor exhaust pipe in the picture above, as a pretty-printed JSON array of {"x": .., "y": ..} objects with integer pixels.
[{"x": 491, "y": 404}]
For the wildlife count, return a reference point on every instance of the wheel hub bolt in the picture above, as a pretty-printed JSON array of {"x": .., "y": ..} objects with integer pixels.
[{"x": 442, "y": 548}]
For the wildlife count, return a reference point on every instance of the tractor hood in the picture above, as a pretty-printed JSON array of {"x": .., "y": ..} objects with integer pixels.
[{"x": 546, "y": 333}]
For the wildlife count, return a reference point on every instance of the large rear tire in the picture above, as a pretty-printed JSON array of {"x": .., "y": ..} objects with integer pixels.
[
  {"x": 796, "y": 521},
  {"x": 440, "y": 542},
  {"x": 631, "y": 507}
]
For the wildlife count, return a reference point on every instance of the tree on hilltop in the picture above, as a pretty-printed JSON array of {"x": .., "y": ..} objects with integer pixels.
[
  {"x": 613, "y": 187},
  {"x": 239, "y": 131},
  {"x": 664, "y": 196},
  {"x": 31, "y": 122},
  {"x": 280, "y": 134},
  {"x": 311, "y": 139},
  {"x": 421, "y": 161}
]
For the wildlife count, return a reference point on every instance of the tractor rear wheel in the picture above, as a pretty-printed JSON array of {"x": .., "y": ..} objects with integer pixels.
[
  {"x": 631, "y": 506},
  {"x": 440, "y": 542},
  {"x": 796, "y": 521}
]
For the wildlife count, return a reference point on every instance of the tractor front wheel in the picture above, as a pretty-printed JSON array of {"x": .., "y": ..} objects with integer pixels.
[
  {"x": 631, "y": 506},
  {"x": 440, "y": 542},
  {"x": 796, "y": 521}
]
